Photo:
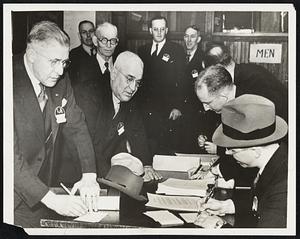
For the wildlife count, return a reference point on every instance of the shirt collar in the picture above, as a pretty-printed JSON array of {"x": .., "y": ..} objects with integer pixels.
[
  {"x": 267, "y": 154},
  {"x": 160, "y": 45},
  {"x": 34, "y": 81},
  {"x": 101, "y": 62},
  {"x": 116, "y": 103},
  {"x": 192, "y": 53}
]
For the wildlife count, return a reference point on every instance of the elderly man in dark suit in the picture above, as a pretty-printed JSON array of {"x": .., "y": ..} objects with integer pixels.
[
  {"x": 160, "y": 95},
  {"x": 252, "y": 134},
  {"x": 44, "y": 104},
  {"x": 85, "y": 51},
  {"x": 112, "y": 117}
]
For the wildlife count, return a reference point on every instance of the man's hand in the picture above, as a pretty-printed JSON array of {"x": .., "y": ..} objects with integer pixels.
[
  {"x": 210, "y": 147},
  {"x": 89, "y": 190},
  {"x": 151, "y": 174},
  {"x": 216, "y": 207},
  {"x": 66, "y": 205},
  {"x": 201, "y": 140},
  {"x": 175, "y": 114}
]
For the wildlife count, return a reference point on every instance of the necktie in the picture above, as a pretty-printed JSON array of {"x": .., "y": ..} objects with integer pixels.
[
  {"x": 255, "y": 200},
  {"x": 106, "y": 68},
  {"x": 156, "y": 50},
  {"x": 188, "y": 58},
  {"x": 92, "y": 51},
  {"x": 42, "y": 97}
]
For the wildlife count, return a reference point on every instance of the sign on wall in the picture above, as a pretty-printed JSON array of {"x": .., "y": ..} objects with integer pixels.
[{"x": 265, "y": 53}]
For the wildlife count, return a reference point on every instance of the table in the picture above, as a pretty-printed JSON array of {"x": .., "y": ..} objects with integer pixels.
[{"x": 131, "y": 211}]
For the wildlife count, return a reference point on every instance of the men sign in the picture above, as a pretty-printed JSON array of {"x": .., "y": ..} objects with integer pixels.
[{"x": 265, "y": 53}]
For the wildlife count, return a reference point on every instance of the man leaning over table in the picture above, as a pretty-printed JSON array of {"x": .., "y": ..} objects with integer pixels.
[
  {"x": 43, "y": 105},
  {"x": 252, "y": 134}
]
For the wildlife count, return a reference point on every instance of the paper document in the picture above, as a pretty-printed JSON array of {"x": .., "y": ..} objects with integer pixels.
[
  {"x": 189, "y": 217},
  {"x": 174, "y": 186},
  {"x": 108, "y": 203},
  {"x": 176, "y": 203},
  {"x": 91, "y": 217},
  {"x": 164, "y": 218},
  {"x": 174, "y": 163}
]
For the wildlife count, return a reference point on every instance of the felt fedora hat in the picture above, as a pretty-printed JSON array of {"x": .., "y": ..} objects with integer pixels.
[
  {"x": 124, "y": 180},
  {"x": 129, "y": 161},
  {"x": 249, "y": 120}
]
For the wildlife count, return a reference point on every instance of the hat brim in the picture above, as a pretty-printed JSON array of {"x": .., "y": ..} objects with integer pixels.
[
  {"x": 220, "y": 139},
  {"x": 122, "y": 189}
]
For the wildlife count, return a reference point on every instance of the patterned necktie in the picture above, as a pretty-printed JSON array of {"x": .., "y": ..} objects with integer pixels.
[
  {"x": 42, "y": 97},
  {"x": 188, "y": 55},
  {"x": 156, "y": 50}
]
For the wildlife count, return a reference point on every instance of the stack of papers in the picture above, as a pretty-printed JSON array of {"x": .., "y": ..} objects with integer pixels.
[
  {"x": 173, "y": 186},
  {"x": 176, "y": 203},
  {"x": 108, "y": 203},
  {"x": 91, "y": 217},
  {"x": 164, "y": 218}
]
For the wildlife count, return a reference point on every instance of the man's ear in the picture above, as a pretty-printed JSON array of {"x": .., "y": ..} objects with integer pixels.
[
  {"x": 199, "y": 39},
  {"x": 150, "y": 30},
  {"x": 79, "y": 36},
  {"x": 95, "y": 41},
  {"x": 257, "y": 151},
  {"x": 31, "y": 55},
  {"x": 167, "y": 29}
]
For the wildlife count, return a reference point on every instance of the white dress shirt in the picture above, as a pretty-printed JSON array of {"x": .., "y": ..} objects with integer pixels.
[
  {"x": 160, "y": 45},
  {"x": 101, "y": 63}
]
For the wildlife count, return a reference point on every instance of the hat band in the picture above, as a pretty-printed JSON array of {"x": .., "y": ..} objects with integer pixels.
[{"x": 256, "y": 134}]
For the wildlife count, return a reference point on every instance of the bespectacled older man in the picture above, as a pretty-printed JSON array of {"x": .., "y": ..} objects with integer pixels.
[{"x": 44, "y": 105}]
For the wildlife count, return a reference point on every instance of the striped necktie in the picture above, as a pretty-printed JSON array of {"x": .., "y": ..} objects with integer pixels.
[{"x": 42, "y": 97}]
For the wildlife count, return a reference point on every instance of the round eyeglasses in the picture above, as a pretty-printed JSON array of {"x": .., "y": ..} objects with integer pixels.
[
  {"x": 131, "y": 79},
  {"x": 104, "y": 40}
]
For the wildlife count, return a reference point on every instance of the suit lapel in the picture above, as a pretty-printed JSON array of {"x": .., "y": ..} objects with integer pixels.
[{"x": 30, "y": 108}]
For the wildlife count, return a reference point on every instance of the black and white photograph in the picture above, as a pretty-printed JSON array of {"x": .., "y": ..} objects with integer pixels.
[{"x": 149, "y": 119}]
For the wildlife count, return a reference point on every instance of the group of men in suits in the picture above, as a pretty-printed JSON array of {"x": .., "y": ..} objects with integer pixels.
[{"x": 106, "y": 108}]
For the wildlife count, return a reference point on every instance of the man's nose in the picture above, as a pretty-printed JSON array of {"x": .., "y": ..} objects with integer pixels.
[{"x": 108, "y": 44}]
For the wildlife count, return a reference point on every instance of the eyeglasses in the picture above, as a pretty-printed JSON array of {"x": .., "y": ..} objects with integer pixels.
[
  {"x": 213, "y": 100},
  {"x": 131, "y": 79},
  {"x": 54, "y": 62},
  {"x": 113, "y": 41}
]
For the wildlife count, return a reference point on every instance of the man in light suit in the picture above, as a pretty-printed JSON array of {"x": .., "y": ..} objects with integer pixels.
[
  {"x": 160, "y": 96},
  {"x": 43, "y": 105},
  {"x": 113, "y": 119}
]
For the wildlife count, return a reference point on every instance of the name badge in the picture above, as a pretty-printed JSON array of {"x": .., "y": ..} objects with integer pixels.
[
  {"x": 60, "y": 115},
  {"x": 166, "y": 57},
  {"x": 120, "y": 128},
  {"x": 194, "y": 73}
]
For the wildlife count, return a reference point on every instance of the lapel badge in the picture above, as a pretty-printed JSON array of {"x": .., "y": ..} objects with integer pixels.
[
  {"x": 166, "y": 57},
  {"x": 120, "y": 128},
  {"x": 195, "y": 73},
  {"x": 60, "y": 113}
]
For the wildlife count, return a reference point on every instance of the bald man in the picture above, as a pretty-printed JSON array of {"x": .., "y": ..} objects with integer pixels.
[{"x": 113, "y": 120}]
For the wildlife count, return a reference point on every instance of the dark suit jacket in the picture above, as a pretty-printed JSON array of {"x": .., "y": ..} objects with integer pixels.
[
  {"x": 98, "y": 108},
  {"x": 192, "y": 69},
  {"x": 271, "y": 191},
  {"x": 78, "y": 56},
  {"x": 162, "y": 79},
  {"x": 255, "y": 79},
  {"x": 29, "y": 133}
]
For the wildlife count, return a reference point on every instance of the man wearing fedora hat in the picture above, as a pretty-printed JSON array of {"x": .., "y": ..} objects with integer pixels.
[{"x": 251, "y": 133}]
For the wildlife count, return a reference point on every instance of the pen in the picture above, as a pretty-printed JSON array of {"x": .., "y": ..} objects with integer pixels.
[
  {"x": 198, "y": 169},
  {"x": 209, "y": 195},
  {"x": 65, "y": 188}
]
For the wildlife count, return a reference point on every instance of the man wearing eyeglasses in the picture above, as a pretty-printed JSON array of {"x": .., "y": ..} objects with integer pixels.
[
  {"x": 85, "y": 51},
  {"x": 161, "y": 97},
  {"x": 44, "y": 105},
  {"x": 113, "y": 119}
]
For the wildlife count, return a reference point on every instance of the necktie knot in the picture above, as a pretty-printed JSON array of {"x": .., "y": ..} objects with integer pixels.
[{"x": 106, "y": 65}]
